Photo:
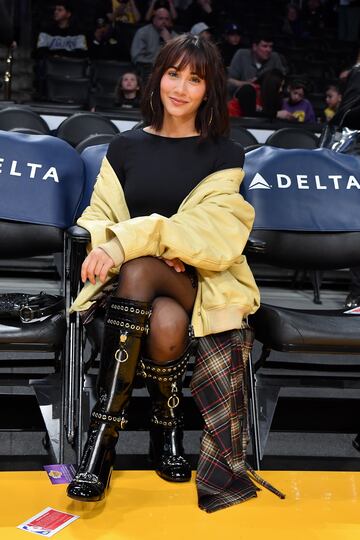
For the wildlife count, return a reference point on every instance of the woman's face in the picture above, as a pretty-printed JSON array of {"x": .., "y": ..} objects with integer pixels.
[
  {"x": 181, "y": 92},
  {"x": 129, "y": 82}
]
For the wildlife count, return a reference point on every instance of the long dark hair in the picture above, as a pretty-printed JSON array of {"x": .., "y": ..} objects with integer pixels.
[
  {"x": 212, "y": 117},
  {"x": 270, "y": 91}
]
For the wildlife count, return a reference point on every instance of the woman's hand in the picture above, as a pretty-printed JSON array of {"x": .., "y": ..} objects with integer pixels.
[
  {"x": 176, "y": 264},
  {"x": 97, "y": 263}
]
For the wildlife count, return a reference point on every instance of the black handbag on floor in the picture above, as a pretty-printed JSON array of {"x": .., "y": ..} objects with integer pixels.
[{"x": 27, "y": 307}]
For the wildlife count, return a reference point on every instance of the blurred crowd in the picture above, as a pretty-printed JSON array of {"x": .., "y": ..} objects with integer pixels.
[{"x": 284, "y": 60}]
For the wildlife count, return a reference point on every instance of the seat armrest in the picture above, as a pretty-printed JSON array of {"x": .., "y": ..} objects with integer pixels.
[
  {"x": 254, "y": 245},
  {"x": 78, "y": 234},
  {"x": 78, "y": 239}
]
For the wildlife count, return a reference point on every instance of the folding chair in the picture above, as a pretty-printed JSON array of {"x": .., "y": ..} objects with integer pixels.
[
  {"x": 307, "y": 217},
  {"x": 40, "y": 190}
]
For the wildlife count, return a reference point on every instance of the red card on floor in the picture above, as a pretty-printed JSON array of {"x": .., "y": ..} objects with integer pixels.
[{"x": 47, "y": 522}]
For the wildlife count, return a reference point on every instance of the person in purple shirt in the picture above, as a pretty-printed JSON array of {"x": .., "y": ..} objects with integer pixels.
[{"x": 296, "y": 104}]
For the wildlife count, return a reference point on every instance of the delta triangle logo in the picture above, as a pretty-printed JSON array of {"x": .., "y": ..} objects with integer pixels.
[
  {"x": 354, "y": 311},
  {"x": 259, "y": 182}
]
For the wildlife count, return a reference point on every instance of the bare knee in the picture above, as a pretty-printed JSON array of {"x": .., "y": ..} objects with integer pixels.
[{"x": 168, "y": 331}]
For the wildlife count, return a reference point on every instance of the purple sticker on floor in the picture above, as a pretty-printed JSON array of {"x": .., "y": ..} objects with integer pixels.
[{"x": 60, "y": 474}]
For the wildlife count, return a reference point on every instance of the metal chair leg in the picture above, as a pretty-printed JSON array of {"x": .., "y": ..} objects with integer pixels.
[{"x": 254, "y": 413}]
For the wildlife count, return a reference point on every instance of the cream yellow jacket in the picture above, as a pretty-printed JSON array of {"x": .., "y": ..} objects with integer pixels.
[{"x": 209, "y": 232}]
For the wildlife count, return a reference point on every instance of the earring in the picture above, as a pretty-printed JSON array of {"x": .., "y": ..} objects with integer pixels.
[
  {"x": 151, "y": 103},
  {"x": 211, "y": 116}
]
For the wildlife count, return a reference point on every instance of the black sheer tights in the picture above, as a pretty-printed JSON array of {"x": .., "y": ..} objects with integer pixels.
[{"x": 148, "y": 279}]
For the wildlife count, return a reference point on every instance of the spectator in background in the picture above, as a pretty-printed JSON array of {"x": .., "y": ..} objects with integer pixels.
[
  {"x": 348, "y": 113},
  {"x": 201, "y": 29},
  {"x": 231, "y": 41},
  {"x": 102, "y": 42},
  {"x": 123, "y": 15},
  {"x": 62, "y": 37},
  {"x": 333, "y": 98},
  {"x": 156, "y": 4},
  {"x": 128, "y": 91},
  {"x": 122, "y": 11},
  {"x": 348, "y": 20},
  {"x": 202, "y": 10},
  {"x": 149, "y": 39},
  {"x": 291, "y": 24},
  {"x": 314, "y": 17},
  {"x": 261, "y": 99},
  {"x": 297, "y": 105},
  {"x": 248, "y": 65}
]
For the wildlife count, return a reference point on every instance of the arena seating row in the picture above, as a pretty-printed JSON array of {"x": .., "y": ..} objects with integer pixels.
[
  {"x": 82, "y": 81},
  {"x": 82, "y": 129}
]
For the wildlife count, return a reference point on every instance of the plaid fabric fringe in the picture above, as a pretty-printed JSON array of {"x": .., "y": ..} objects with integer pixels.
[{"x": 219, "y": 388}]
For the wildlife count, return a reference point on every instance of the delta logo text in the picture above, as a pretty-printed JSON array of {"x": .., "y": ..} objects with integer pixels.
[
  {"x": 305, "y": 181},
  {"x": 33, "y": 171}
]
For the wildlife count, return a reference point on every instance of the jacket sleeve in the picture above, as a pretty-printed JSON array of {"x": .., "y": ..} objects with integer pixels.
[
  {"x": 107, "y": 206},
  {"x": 210, "y": 235}
]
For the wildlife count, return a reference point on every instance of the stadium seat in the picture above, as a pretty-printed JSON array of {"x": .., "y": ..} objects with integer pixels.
[
  {"x": 78, "y": 126},
  {"x": 292, "y": 137},
  {"x": 306, "y": 204},
  {"x": 68, "y": 91},
  {"x": 242, "y": 136},
  {"x": 71, "y": 68},
  {"x": 17, "y": 116},
  {"x": 92, "y": 140},
  {"x": 41, "y": 187}
]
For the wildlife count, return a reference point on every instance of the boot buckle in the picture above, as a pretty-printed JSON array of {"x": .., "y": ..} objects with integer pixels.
[
  {"x": 118, "y": 355},
  {"x": 173, "y": 402}
]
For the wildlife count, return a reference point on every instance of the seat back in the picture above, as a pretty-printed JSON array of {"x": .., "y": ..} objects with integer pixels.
[
  {"x": 42, "y": 180},
  {"x": 291, "y": 137},
  {"x": 94, "y": 140},
  {"x": 65, "y": 90},
  {"x": 41, "y": 184},
  {"x": 242, "y": 136},
  {"x": 22, "y": 117},
  {"x": 92, "y": 157},
  {"x": 306, "y": 204},
  {"x": 78, "y": 126},
  {"x": 72, "y": 68}
]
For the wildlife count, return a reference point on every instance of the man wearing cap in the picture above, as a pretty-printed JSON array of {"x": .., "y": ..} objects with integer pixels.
[
  {"x": 248, "y": 64},
  {"x": 231, "y": 41},
  {"x": 201, "y": 29}
]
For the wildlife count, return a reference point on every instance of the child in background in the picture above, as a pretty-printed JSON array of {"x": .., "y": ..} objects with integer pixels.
[
  {"x": 128, "y": 91},
  {"x": 333, "y": 97},
  {"x": 296, "y": 104}
]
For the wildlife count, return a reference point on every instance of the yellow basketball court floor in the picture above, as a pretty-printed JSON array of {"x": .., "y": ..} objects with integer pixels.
[{"x": 139, "y": 505}]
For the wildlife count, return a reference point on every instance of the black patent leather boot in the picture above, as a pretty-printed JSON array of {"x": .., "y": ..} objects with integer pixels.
[
  {"x": 164, "y": 383},
  {"x": 126, "y": 323}
]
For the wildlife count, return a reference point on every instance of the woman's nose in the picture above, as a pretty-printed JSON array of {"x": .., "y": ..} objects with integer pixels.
[{"x": 181, "y": 84}]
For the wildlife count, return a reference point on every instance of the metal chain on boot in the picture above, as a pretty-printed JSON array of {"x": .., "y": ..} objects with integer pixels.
[
  {"x": 170, "y": 374},
  {"x": 131, "y": 319}
]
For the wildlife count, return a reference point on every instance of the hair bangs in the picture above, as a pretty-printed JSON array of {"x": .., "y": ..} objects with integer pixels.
[{"x": 189, "y": 54}]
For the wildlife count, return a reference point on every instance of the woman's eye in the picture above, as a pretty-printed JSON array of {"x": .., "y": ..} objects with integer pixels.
[
  {"x": 195, "y": 79},
  {"x": 172, "y": 73}
]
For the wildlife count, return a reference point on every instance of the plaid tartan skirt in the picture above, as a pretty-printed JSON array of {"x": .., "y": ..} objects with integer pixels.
[{"x": 219, "y": 387}]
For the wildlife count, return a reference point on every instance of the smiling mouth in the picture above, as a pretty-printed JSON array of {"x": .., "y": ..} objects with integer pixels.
[{"x": 178, "y": 101}]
